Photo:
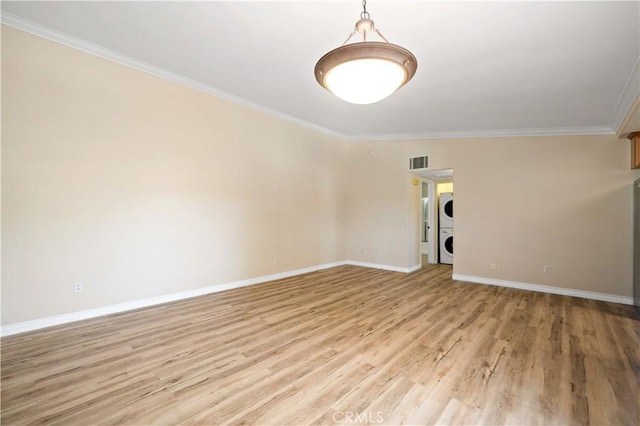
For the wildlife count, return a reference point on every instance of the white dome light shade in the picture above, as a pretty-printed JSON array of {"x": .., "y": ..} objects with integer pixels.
[
  {"x": 365, "y": 81},
  {"x": 365, "y": 72}
]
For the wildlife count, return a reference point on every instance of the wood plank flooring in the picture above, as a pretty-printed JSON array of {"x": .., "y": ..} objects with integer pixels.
[{"x": 347, "y": 345}]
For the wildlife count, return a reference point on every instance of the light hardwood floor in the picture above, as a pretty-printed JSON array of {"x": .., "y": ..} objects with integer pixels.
[{"x": 344, "y": 345}]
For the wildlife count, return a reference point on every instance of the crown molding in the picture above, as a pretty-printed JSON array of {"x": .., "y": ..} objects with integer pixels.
[
  {"x": 627, "y": 98},
  {"x": 561, "y": 131},
  {"x": 113, "y": 56},
  {"x": 627, "y": 124}
]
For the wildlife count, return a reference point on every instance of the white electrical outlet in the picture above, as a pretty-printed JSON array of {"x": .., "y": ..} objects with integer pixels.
[
  {"x": 275, "y": 260},
  {"x": 493, "y": 266},
  {"x": 546, "y": 269},
  {"x": 77, "y": 287}
]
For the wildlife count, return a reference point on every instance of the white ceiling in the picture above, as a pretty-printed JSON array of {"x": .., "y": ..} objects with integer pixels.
[{"x": 484, "y": 68}]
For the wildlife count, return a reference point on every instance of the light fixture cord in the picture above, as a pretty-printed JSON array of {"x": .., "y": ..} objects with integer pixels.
[{"x": 364, "y": 14}]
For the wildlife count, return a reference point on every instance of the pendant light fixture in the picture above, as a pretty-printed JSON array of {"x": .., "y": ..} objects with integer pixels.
[{"x": 365, "y": 72}]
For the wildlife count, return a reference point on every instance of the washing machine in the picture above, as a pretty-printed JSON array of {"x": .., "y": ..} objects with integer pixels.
[
  {"x": 445, "y": 218},
  {"x": 446, "y": 245}
]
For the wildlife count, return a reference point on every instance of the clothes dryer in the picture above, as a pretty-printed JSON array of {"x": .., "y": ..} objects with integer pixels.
[
  {"x": 446, "y": 245},
  {"x": 445, "y": 209}
]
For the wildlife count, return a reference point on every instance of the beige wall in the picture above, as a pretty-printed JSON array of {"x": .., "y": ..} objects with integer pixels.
[
  {"x": 444, "y": 187},
  {"x": 140, "y": 187},
  {"x": 521, "y": 203}
]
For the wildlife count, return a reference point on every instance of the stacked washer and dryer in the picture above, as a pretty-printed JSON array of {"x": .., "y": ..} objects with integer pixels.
[{"x": 445, "y": 220}]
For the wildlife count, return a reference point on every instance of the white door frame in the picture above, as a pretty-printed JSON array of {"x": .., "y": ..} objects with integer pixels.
[
  {"x": 434, "y": 244},
  {"x": 432, "y": 178},
  {"x": 432, "y": 217}
]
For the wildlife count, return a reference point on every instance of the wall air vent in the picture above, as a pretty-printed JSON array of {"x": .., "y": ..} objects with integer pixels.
[{"x": 418, "y": 163}]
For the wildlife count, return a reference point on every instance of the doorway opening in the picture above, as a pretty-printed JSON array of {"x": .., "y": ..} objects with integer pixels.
[
  {"x": 445, "y": 221},
  {"x": 436, "y": 236}
]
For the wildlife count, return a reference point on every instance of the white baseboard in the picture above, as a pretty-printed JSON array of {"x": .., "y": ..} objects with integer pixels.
[
  {"x": 406, "y": 270},
  {"x": 22, "y": 327},
  {"x": 414, "y": 268},
  {"x": 546, "y": 289}
]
